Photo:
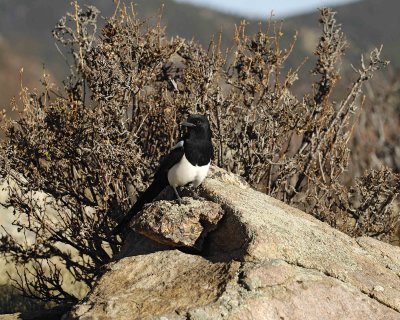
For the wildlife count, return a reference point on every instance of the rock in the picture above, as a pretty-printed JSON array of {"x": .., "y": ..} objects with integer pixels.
[
  {"x": 135, "y": 244},
  {"x": 10, "y": 316},
  {"x": 177, "y": 225},
  {"x": 278, "y": 231},
  {"x": 265, "y": 260},
  {"x": 154, "y": 285}
]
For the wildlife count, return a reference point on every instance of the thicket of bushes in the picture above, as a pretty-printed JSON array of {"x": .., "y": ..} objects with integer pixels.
[{"x": 74, "y": 156}]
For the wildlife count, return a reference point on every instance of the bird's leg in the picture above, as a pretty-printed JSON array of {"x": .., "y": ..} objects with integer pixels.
[
  {"x": 177, "y": 195},
  {"x": 195, "y": 195}
]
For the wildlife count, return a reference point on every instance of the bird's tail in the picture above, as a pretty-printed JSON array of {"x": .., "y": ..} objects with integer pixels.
[{"x": 147, "y": 196}]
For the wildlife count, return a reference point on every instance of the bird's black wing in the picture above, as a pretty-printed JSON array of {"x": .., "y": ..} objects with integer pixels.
[
  {"x": 168, "y": 161},
  {"x": 160, "y": 181}
]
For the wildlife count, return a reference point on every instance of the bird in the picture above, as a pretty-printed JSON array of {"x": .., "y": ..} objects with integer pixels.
[{"x": 186, "y": 164}]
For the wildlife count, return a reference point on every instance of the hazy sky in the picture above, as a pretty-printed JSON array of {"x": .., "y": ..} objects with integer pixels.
[{"x": 263, "y": 8}]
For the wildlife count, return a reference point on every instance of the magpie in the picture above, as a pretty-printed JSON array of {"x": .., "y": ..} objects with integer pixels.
[{"x": 186, "y": 164}]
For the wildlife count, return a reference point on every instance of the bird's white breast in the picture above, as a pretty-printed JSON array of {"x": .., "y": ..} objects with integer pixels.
[{"x": 184, "y": 173}]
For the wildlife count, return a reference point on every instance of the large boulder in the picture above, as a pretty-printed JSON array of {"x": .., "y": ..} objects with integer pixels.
[{"x": 262, "y": 260}]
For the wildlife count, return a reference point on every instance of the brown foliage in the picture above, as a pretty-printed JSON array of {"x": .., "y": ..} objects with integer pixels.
[{"x": 87, "y": 148}]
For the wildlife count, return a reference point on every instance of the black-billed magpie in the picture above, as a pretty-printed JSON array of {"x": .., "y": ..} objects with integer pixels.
[{"x": 186, "y": 164}]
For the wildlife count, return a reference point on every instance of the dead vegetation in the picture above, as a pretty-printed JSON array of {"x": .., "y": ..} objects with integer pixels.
[{"x": 74, "y": 156}]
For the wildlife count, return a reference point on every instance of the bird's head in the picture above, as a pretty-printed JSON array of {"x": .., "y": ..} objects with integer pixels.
[{"x": 198, "y": 126}]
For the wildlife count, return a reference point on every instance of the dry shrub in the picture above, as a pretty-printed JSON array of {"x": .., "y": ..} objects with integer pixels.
[
  {"x": 375, "y": 146},
  {"x": 375, "y": 140},
  {"x": 73, "y": 156}
]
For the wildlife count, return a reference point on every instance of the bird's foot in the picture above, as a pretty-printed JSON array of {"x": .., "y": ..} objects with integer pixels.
[
  {"x": 193, "y": 192},
  {"x": 182, "y": 201},
  {"x": 196, "y": 196},
  {"x": 178, "y": 198}
]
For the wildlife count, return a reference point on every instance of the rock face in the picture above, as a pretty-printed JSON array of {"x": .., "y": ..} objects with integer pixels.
[
  {"x": 178, "y": 225},
  {"x": 263, "y": 260}
]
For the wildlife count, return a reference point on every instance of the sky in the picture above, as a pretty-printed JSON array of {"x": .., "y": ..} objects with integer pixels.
[{"x": 263, "y": 8}]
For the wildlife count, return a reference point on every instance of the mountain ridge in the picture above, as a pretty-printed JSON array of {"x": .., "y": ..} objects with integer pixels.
[{"x": 30, "y": 46}]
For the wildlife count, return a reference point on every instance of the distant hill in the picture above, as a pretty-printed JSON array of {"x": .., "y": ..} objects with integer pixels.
[
  {"x": 25, "y": 33},
  {"x": 367, "y": 24}
]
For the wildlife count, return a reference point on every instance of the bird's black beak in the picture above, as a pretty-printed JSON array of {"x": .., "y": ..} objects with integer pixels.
[{"x": 187, "y": 124}]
